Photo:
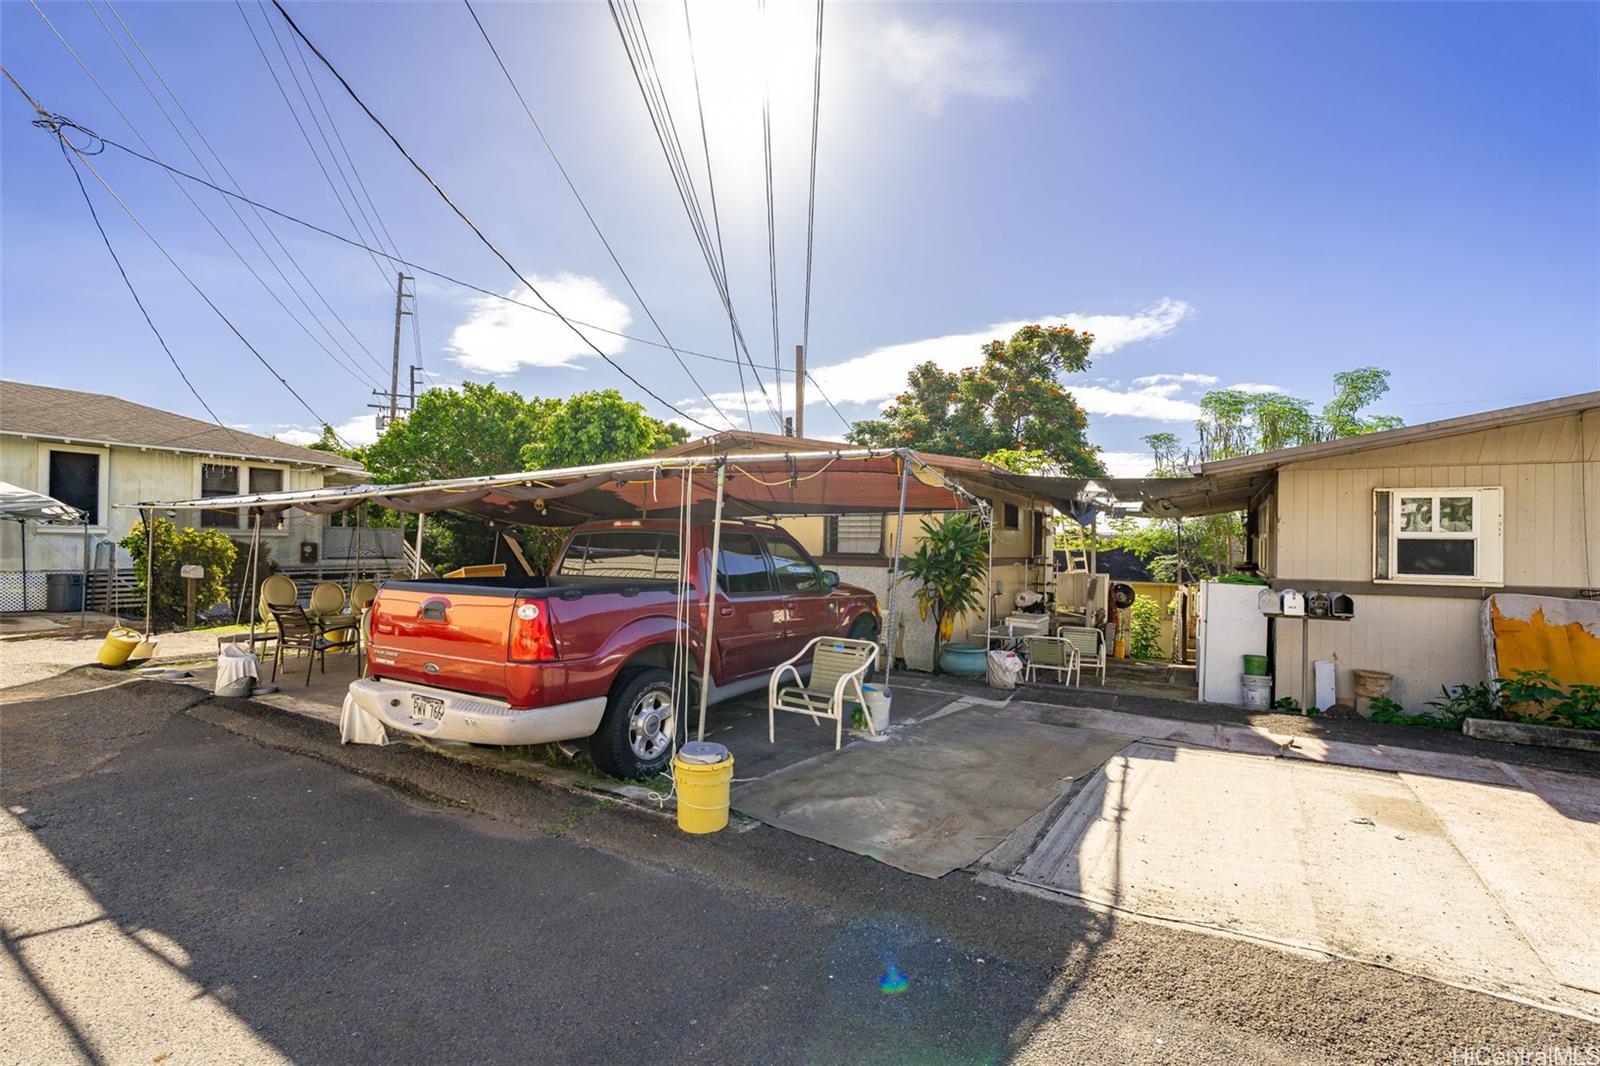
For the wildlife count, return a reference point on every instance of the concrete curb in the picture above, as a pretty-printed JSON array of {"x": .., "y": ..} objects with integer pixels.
[{"x": 1544, "y": 736}]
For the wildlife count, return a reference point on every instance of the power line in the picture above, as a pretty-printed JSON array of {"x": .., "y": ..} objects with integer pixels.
[
  {"x": 472, "y": 225},
  {"x": 772, "y": 225},
  {"x": 635, "y": 45},
  {"x": 349, "y": 369},
  {"x": 383, "y": 271},
  {"x": 811, "y": 204},
  {"x": 201, "y": 292},
  {"x": 586, "y": 212},
  {"x": 716, "y": 216},
  {"x": 352, "y": 242},
  {"x": 234, "y": 181}
]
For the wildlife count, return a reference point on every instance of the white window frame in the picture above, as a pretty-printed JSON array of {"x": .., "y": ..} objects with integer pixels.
[
  {"x": 102, "y": 507},
  {"x": 244, "y": 469},
  {"x": 1488, "y": 533},
  {"x": 834, "y": 535}
]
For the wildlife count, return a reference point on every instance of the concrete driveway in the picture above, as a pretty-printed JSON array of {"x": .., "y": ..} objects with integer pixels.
[{"x": 1485, "y": 880}]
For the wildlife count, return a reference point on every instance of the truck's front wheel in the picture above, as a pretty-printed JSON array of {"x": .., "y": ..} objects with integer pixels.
[{"x": 635, "y": 735}]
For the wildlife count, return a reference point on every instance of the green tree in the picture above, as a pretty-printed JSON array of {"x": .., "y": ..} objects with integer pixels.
[
  {"x": 174, "y": 548},
  {"x": 481, "y": 429},
  {"x": 949, "y": 567},
  {"x": 597, "y": 427},
  {"x": 1012, "y": 401}
]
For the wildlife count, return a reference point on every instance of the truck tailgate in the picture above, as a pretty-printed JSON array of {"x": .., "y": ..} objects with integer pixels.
[{"x": 456, "y": 639}]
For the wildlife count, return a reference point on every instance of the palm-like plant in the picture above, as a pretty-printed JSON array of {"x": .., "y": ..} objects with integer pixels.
[{"x": 949, "y": 566}]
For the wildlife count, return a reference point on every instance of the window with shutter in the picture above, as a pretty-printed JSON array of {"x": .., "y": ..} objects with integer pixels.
[{"x": 854, "y": 534}]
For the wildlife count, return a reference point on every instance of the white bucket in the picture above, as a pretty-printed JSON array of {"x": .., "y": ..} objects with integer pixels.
[
  {"x": 1257, "y": 692},
  {"x": 878, "y": 700}
]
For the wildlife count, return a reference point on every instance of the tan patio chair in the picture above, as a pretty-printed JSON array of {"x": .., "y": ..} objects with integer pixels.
[
  {"x": 1055, "y": 654},
  {"x": 362, "y": 595},
  {"x": 837, "y": 666},
  {"x": 278, "y": 589},
  {"x": 1090, "y": 645},
  {"x": 327, "y": 600}
]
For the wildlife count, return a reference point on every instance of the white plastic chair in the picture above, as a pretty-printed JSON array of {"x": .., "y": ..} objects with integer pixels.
[
  {"x": 1056, "y": 654},
  {"x": 837, "y": 664},
  {"x": 1090, "y": 645}
]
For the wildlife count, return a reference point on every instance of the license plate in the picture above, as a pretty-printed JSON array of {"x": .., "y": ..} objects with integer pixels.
[{"x": 427, "y": 707}]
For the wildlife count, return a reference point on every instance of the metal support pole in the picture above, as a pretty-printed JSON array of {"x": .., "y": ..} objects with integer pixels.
[
  {"x": 83, "y": 601},
  {"x": 416, "y": 563},
  {"x": 22, "y": 535},
  {"x": 988, "y": 582},
  {"x": 149, "y": 570},
  {"x": 394, "y": 366},
  {"x": 355, "y": 571},
  {"x": 711, "y": 600},
  {"x": 255, "y": 584},
  {"x": 894, "y": 573}
]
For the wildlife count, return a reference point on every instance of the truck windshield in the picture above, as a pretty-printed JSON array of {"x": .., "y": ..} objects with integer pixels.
[{"x": 629, "y": 553}]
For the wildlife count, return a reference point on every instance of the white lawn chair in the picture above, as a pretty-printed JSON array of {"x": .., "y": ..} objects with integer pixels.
[
  {"x": 1056, "y": 654},
  {"x": 837, "y": 665},
  {"x": 1090, "y": 645}
]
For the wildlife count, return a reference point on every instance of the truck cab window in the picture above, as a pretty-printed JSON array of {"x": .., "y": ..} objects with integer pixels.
[
  {"x": 741, "y": 568},
  {"x": 796, "y": 573},
  {"x": 622, "y": 554}
]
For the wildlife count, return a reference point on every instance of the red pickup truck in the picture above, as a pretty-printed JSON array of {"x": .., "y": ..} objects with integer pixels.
[{"x": 587, "y": 651}]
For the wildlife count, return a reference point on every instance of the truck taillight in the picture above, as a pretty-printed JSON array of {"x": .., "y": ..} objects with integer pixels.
[{"x": 532, "y": 639}]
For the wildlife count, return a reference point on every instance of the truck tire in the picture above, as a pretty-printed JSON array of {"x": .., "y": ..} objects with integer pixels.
[
  {"x": 863, "y": 628},
  {"x": 635, "y": 735}
]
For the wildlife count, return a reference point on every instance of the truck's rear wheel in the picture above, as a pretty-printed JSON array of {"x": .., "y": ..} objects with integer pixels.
[{"x": 635, "y": 735}]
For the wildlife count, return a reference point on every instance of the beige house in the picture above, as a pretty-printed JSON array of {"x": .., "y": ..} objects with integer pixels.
[
  {"x": 861, "y": 548},
  {"x": 1418, "y": 526},
  {"x": 101, "y": 453}
]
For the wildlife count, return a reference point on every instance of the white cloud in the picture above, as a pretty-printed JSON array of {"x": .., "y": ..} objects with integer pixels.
[
  {"x": 358, "y": 430},
  {"x": 1154, "y": 402},
  {"x": 1255, "y": 387},
  {"x": 498, "y": 337},
  {"x": 1176, "y": 379},
  {"x": 938, "y": 60},
  {"x": 880, "y": 375},
  {"x": 1128, "y": 464}
]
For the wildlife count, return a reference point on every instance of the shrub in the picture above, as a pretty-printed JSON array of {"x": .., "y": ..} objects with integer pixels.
[
  {"x": 1144, "y": 629},
  {"x": 175, "y": 548}
]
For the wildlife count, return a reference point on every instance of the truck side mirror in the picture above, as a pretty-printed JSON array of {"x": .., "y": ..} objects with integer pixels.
[{"x": 830, "y": 579}]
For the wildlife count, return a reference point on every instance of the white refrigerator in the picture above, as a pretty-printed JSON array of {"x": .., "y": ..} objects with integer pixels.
[{"x": 1230, "y": 626}]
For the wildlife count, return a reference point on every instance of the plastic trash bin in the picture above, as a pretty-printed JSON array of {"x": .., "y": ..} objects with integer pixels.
[{"x": 63, "y": 592}]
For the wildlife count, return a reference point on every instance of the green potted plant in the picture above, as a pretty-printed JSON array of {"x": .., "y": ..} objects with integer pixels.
[{"x": 949, "y": 567}]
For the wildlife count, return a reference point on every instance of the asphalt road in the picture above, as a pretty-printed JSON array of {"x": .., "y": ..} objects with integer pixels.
[{"x": 193, "y": 880}]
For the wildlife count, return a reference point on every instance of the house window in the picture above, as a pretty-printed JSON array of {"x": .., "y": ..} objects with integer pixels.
[
  {"x": 1441, "y": 536},
  {"x": 266, "y": 479},
  {"x": 219, "y": 479},
  {"x": 1010, "y": 516},
  {"x": 1039, "y": 547},
  {"x": 854, "y": 534},
  {"x": 75, "y": 481}
]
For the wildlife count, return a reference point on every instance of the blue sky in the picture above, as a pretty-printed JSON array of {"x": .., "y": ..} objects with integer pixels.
[{"x": 1226, "y": 194}]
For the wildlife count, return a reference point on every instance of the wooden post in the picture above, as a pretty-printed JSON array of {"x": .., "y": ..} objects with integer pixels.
[{"x": 799, "y": 390}]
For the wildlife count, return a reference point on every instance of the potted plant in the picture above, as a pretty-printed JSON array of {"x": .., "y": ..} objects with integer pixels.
[{"x": 950, "y": 566}]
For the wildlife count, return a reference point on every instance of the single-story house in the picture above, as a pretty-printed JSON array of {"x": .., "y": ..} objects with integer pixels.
[
  {"x": 100, "y": 453},
  {"x": 1419, "y": 525},
  {"x": 861, "y": 547}
]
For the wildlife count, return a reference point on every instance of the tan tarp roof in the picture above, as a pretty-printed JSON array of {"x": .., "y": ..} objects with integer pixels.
[{"x": 845, "y": 481}]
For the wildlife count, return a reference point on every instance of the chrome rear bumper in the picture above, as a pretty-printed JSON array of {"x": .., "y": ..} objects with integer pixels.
[{"x": 439, "y": 714}]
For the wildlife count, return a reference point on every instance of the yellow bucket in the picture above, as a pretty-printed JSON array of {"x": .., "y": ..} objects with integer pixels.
[
  {"x": 702, "y": 791},
  {"x": 119, "y": 644}
]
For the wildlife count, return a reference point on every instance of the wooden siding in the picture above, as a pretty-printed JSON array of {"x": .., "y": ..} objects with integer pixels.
[
  {"x": 1424, "y": 641},
  {"x": 1324, "y": 529},
  {"x": 1549, "y": 472}
]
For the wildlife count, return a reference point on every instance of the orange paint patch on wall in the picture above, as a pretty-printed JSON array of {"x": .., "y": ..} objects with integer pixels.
[{"x": 1570, "y": 653}]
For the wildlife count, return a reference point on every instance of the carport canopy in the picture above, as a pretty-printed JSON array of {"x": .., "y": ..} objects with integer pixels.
[{"x": 846, "y": 481}]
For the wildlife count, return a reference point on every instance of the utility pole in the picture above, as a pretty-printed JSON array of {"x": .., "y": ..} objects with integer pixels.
[
  {"x": 799, "y": 390},
  {"x": 394, "y": 394},
  {"x": 414, "y": 369}
]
